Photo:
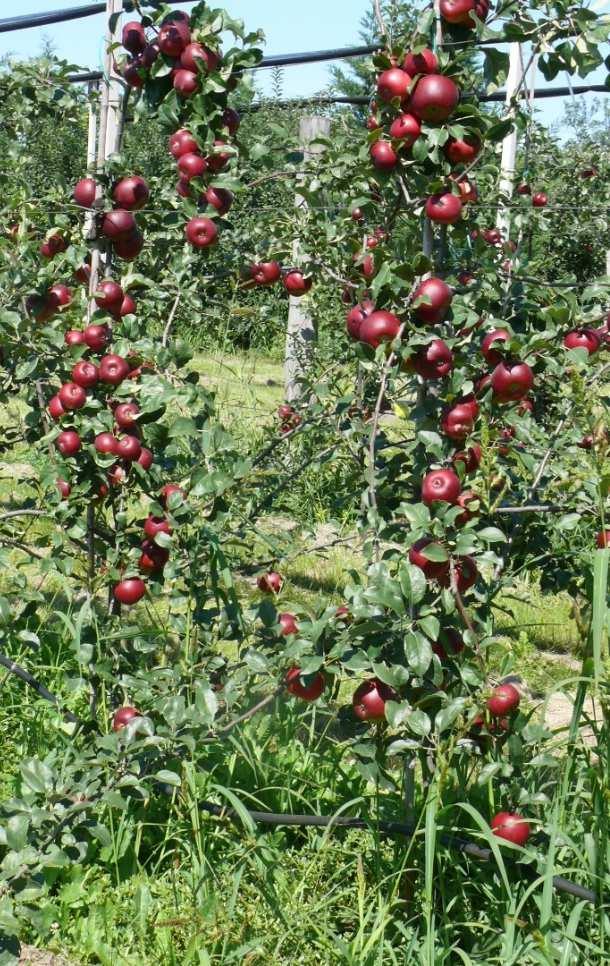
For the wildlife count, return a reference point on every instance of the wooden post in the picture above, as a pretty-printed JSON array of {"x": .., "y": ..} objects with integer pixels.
[
  {"x": 301, "y": 333},
  {"x": 509, "y": 146},
  {"x": 109, "y": 131}
]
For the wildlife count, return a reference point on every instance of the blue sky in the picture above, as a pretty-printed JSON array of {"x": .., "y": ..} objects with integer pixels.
[{"x": 289, "y": 27}]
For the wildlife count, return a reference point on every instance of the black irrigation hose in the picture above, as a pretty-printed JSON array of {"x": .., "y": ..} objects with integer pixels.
[
  {"x": 393, "y": 828},
  {"x": 40, "y": 689},
  {"x": 60, "y": 16}
]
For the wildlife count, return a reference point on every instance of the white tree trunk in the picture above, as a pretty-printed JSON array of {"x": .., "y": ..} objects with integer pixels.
[
  {"x": 506, "y": 184},
  {"x": 301, "y": 333}
]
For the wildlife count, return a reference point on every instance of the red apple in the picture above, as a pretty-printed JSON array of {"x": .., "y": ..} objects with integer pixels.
[
  {"x": 53, "y": 245},
  {"x": 126, "y": 714},
  {"x": 196, "y": 56},
  {"x": 55, "y": 408},
  {"x": 173, "y": 37},
  {"x": 133, "y": 37},
  {"x": 105, "y": 443},
  {"x": 434, "y": 569},
  {"x": 182, "y": 142},
  {"x": 130, "y": 246},
  {"x": 127, "y": 307},
  {"x": 307, "y": 692},
  {"x": 356, "y": 316},
  {"x": 449, "y": 644},
  {"x": 425, "y": 62},
  {"x": 186, "y": 83},
  {"x": 434, "y": 99},
  {"x": 118, "y": 223},
  {"x": 511, "y": 827},
  {"x": 125, "y": 415},
  {"x": 288, "y": 624},
  {"x": 201, "y": 232},
  {"x": 231, "y": 120},
  {"x": 168, "y": 490},
  {"x": 72, "y": 396},
  {"x": 524, "y": 189},
  {"x": 510, "y": 382},
  {"x": 68, "y": 442},
  {"x": 129, "y": 448},
  {"x": 85, "y": 374},
  {"x": 582, "y": 339},
  {"x": 540, "y": 200},
  {"x": 458, "y": 419},
  {"x": 153, "y": 558},
  {"x": 462, "y": 150},
  {"x": 602, "y": 539},
  {"x": 296, "y": 283},
  {"x": 492, "y": 355},
  {"x": 434, "y": 361},
  {"x": 265, "y": 273},
  {"x": 392, "y": 83},
  {"x": 97, "y": 337},
  {"x": 132, "y": 72},
  {"x": 504, "y": 699},
  {"x": 129, "y": 591},
  {"x": 270, "y": 583},
  {"x": 64, "y": 488},
  {"x": 405, "y": 128},
  {"x": 59, "y": 295},
  {"x": 155, "y": 525},
  {"x": 74, "y": 337},
  {"x": 464, "y": 500},
  {"x": 440, "y": 486},
  {"x": 109, "y": 294},
  {"x": 437, "y": 295},
  {"x": 369, "y": 700},
  {"x": 380, "y": 326},
  {"x": 131, "y": 193},
  {"x": 219, "y": 198},
  {"x": 445, "y": 208},
  {"x": 113, "y": 369},
  {"x": 146, "y": 458},
  {"x": 469, "y": 459},
  {"x": 383, "y": 156},
  {"x": 83, "y": 273},
  {"x": 84, "y": 192},
  {"x": 466, "y": 574}
]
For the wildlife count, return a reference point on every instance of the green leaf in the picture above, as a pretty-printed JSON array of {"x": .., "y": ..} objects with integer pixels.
[
  {"x": 168, "y": 778},
  {"x": 419, "y": 723},
  {"x": 492, "y": 535},
  {"x": 418, "y": 652},
  {"x": 412, "y": 582}
]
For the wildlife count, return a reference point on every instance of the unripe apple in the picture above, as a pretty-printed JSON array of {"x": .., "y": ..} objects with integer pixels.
[
  {"x": 380, "y": 326},
  {"x": 369, "y": 700},
  {"x": 131, "y": 193},
  {"x": 270, "y": 583},
  {"x": 72, "y": 396},
  {"x": 201, "y": 232},
  {"x": 307, "y": 692},
  {"x": 113, "y": 369},
  {"x": 68, "y": 442},
  {"x": 445, "y": 208},
  {"x": 434, "y": 99},
  {"x": 124, "y": 715},
  {"x": 440, "y": 486},
  {"x": 84, "y": 192},
  {"x": 129, "y": 591}
]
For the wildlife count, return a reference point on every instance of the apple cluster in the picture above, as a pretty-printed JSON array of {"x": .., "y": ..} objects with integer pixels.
[
  {"x": 264, "y": 274},
  {"x": 118, "y": 224}
]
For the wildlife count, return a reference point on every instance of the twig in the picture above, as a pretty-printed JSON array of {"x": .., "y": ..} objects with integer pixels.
[
  {"x": 22, "y": 546},
  {"x": 379, "y": 17},
  {"x": 170, "y": 319},
  {"x": 253, "y": 710},
  {"x": 40, "y": 689}
]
